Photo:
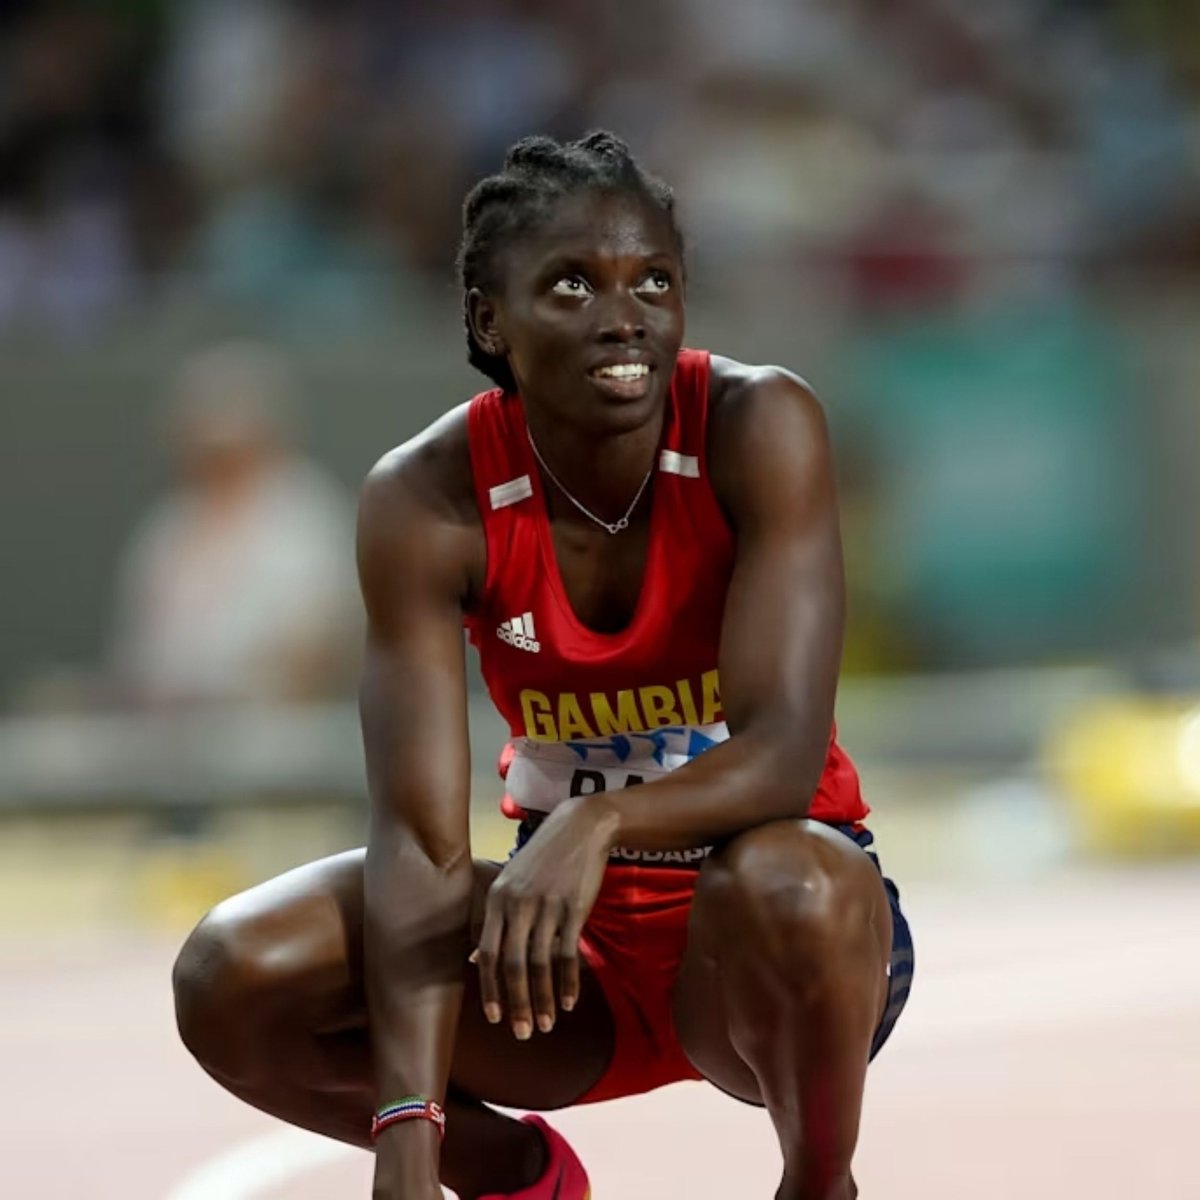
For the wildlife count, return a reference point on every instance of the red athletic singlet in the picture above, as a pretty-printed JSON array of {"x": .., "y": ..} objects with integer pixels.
[{"x": 592, "y": 711}]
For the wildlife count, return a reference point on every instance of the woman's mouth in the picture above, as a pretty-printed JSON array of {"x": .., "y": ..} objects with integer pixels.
[{"x": 622, "y": 381}]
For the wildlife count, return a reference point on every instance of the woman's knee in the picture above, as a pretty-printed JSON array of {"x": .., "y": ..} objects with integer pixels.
[
  {"x": 793, "y": 897},
  {"x": 229, "y": 975},
  {"x": 270, "y": 964}
]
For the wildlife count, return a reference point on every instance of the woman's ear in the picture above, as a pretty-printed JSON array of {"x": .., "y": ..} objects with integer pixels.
[{"x": 482, "y": 318}]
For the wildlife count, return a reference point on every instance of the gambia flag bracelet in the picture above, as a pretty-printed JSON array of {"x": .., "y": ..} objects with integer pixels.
[{"x": 409, "y": 1108}]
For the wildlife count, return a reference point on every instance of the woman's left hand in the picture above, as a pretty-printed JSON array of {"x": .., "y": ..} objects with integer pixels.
[{"x": 535, "y": 912}]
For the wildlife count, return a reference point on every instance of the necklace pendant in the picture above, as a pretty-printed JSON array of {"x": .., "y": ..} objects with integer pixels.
[{"x": 623, "y": 523}]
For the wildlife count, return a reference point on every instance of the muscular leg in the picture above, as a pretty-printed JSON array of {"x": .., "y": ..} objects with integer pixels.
[
  {"x": 269, "y": 998},
  {"x": 782, "y": 986}
]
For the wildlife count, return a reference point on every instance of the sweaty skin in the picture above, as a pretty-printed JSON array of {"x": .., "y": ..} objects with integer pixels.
[{"x": 784, "y": 978}]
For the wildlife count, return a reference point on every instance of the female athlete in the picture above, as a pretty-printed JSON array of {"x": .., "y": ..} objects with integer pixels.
[{"x": 643, "y": 544}]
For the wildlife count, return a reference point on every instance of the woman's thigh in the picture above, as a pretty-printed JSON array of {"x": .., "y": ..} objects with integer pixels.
[{"x": 308, "y": 925}]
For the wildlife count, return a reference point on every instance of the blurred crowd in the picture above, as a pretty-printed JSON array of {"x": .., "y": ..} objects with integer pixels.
[
  {"x": 310, "y": 156},
  {"x": 975, "y": 226},
  {"x": 932, "y": 207}
]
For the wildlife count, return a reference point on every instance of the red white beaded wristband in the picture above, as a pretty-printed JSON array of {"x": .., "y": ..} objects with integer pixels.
[{"x": 409, "y": 1108}]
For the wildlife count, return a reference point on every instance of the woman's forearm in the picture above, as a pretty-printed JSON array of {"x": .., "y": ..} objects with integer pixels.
[
  {"x": 744, "y": 782},
  {"x": 416, "y": 946}
]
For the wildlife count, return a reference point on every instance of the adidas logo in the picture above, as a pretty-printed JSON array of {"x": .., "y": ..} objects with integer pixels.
[{"x": 519, "y": 632}]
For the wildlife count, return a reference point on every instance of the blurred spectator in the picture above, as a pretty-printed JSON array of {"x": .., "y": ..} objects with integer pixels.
[{"x": 239, "y": 585}]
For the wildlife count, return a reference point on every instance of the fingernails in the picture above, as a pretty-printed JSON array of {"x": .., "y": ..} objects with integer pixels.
[
  {"x": 523, "y": 1030},
  {"x": 492, "y": 1012},
  {"x": 545, "y": 1023},
  {"x": 473, "y": 957},
  {"x": 568, "y": 1003}
]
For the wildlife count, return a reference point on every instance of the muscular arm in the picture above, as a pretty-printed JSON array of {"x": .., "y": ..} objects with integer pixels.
[
  {"x": 418, "y": 868},
  {"x": 781, "y": 641}
]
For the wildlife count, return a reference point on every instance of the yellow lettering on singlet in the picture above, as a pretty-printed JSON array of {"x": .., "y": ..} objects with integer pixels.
[
  {"x": 571, "y": 721},
  {"x": 710, "y": 689},
  {"x": 658, "y": 703},
  {"x": 687, "y": 703},
  {"x": 538, "y": 716},
  {"x": 625, "y": 720}
]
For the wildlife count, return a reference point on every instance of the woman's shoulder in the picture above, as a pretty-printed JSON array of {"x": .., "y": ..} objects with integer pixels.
[
  {"x": 417, "y": 516},
  {"x": 431, "y": 471},
  {"x": 744, "y": 397}
]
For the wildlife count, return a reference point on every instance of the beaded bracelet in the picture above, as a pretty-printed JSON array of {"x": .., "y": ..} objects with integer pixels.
[{"x": 409, "y": 1108}]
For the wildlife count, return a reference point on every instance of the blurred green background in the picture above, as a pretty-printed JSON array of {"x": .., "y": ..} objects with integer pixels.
[{"x": 227, "y": 233}]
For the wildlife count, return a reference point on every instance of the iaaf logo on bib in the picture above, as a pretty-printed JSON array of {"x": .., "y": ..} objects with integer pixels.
[{"x": 518, "y": 632}]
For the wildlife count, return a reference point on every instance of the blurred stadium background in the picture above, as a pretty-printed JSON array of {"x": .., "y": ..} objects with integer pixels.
[{"x": 227, "y": 231}]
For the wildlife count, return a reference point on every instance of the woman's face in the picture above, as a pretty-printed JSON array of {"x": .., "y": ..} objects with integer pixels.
[{"x": 590, "y": 315}]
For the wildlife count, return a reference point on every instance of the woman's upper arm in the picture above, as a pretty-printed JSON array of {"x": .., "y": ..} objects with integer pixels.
[
  {"x": 413, "y": 562},
  {"x": 781, "y": 641}
]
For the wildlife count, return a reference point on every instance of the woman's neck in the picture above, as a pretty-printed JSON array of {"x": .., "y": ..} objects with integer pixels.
[{"x": 602, "y": 471}]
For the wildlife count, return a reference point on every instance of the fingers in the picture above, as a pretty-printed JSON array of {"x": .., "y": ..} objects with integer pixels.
[
  {"x": 516, "y": 968},
  {"x": 504, "y": 949},
  {"x": 487, "y": 955},
  {"x": 568, "y": 960},
  {"x": 521, "y": 942},
  {"x": 541, "y": 962}
]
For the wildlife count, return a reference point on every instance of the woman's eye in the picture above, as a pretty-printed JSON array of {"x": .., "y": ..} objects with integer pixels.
[
  {"x": 655, "y": 283},
  {"x": 570, "y": 285}
]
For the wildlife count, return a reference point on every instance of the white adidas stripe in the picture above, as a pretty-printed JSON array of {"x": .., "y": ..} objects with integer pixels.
[
  {"x": 674, "y": 463},
  {"x": 504, "y": 494}
]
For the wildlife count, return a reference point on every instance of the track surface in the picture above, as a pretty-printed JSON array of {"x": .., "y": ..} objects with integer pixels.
[{"x": 1051, "y": 1049}]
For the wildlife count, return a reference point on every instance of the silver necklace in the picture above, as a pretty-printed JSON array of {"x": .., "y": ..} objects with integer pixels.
[{"x": 611, "y": 527}]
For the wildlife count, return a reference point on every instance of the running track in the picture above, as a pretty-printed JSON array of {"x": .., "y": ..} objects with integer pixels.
[{"x": 1052, "y": 1049}]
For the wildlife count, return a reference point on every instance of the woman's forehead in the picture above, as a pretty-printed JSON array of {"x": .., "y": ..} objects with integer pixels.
[{"x": 602, "y": 225}]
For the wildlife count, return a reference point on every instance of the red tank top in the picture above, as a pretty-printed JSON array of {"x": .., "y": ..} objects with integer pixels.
[{"x": 593, "y": 711}]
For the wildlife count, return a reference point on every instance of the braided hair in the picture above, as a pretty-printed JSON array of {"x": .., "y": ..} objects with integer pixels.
[{"x": 537, "y": 173}]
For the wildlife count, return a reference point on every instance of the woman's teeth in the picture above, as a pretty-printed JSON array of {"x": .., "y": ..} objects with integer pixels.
[{"x": 623, "y": 371}]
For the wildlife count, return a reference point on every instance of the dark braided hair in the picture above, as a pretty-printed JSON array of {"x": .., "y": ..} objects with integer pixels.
[{"x": 539, "y": 172}]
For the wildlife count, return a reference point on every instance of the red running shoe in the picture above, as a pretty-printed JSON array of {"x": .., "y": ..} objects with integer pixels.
[{"x": 564, "y": 1177}]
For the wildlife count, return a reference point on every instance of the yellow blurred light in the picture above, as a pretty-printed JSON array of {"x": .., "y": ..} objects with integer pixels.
[
  {"x": 1128, "y": 767},
  {"x": 1188, "y": 756}
]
